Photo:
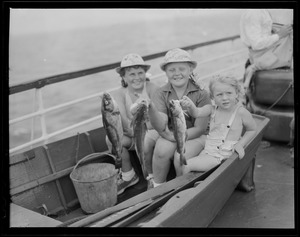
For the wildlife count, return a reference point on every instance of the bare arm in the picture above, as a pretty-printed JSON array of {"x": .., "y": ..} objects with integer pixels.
[
  {"x": 250, "y": 131},
  {"x": 119, "y": 98},
  {"x": 159, "y": 121},
  {"x": 199, "y": 128}
]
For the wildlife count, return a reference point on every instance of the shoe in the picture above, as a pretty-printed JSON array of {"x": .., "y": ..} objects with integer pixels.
[
  {"x": 150, "y": 184},
  {"x": 122, "y": 184}
]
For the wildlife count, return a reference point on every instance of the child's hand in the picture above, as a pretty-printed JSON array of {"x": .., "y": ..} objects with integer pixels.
[
  {"x": 240, "y": 150},
  {"x": 187, "y": 104}
]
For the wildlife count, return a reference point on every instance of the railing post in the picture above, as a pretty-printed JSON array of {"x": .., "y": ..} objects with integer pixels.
[
  {"x": 33, "y": 118},
  {"x": 42, "y": 115}
]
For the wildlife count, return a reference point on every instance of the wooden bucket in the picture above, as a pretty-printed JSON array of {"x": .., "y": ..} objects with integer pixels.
[{"x": 95, "y": 183}]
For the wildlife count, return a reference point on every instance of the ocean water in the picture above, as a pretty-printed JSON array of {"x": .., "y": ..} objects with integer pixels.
[{"x": 36, "y": 55}]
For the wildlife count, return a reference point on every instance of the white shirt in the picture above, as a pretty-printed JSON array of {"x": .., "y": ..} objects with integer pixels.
[{"x": 256, "y": 28}]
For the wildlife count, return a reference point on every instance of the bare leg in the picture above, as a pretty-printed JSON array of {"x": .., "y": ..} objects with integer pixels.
[
  {"x": 192, "y": 149},
  {"x": 203, "y": 162},
  {"x": 162, "y": 155},
  {"x": 150, "y": 140},
  {"x": 126, "y": 163}
]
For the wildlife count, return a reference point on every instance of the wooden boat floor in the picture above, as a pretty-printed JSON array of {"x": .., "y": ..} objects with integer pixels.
[
  {"x": 22, "y": 217},
  {"x": 271, "y": 204}
]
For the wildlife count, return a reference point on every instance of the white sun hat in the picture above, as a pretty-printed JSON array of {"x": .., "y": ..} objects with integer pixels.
[
  {"x": 130, "y": 60},
  {"x": 177, "y": 55}
]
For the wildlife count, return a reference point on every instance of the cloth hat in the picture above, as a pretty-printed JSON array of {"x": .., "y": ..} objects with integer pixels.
[
  {"x": 175, "y": 56},
  {"x": 132, "y": 60}
]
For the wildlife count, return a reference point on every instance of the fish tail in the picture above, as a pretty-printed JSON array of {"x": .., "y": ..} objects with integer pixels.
[
  {"x": 118, "y": 160},
  {"x": 141, "y": 157},
  {"x": 145, "y": 173},
  {"x": 182, "y": 159}
]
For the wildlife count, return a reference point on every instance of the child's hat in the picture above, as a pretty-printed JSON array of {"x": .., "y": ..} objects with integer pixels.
[
  {"x": 177, "y": 55},
  {"x": 130, "y": 60}
]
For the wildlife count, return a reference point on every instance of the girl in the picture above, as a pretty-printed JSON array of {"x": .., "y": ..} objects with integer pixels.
[
  {"x": 228, "y": 118},
  {"x": 178, "y": 66}
]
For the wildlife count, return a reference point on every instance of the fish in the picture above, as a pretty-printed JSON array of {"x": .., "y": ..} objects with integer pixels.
[
  {"x": 179, "y": 128},
  {"x": 138, "y": 123},
  {"x": 112, "y": 124}
]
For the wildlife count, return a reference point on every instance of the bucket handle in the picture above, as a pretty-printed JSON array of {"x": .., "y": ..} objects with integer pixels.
[{"x": 92, "y": 156}]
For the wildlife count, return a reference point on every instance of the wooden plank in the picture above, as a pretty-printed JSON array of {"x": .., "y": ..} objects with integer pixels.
[
  {"x": 64, "y": 152},
  {"x": 29, "y": 183},
  {"x": 97, "y": 137},
  {"x": 22, "y": 217},
  {"x": 121, "y": 214},
  {"x": 34, "y": 199},
  {"x": 35, "y": 172},
  {"x": 40, "y": 181},
  {"x": 31, "y": 170}
]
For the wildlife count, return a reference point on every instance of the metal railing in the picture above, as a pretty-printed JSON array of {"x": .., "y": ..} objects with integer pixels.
[{"x": 39, "y": 84}]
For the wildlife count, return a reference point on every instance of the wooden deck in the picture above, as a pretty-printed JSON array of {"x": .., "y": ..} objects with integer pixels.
[{"x": 272, "y": 203}]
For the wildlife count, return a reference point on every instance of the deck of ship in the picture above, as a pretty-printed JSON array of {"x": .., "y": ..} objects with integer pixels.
[{"x": 271, "y": 204}]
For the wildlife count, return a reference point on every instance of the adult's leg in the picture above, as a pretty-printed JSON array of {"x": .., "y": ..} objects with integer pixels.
[
  {"x": 129, "y": 177},
  {"x": 163, "y": 152},
  {"x": 126, "y": 142},
  {"x": 126, "y": 163},
  {"x": 149, "y": 144}
]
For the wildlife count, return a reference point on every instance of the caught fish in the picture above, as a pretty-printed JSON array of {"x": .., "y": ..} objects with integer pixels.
[
  {"x": 179, "y": 128},
  {"x": 113, "y": 126},
  {"x": 138, "y": 123}
]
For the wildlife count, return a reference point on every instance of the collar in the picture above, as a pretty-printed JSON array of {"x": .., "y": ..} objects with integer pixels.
[{"x": 190, "y": 87}]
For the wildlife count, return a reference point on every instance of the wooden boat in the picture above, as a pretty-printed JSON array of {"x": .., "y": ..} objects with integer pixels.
[
  {"x": 184, "y": 204},
  {"x": 41, "y": 188}
]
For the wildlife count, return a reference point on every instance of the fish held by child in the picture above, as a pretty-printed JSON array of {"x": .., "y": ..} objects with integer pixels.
[
  {"x": 179, "y": 128},
  {"x": 112, "y": 123},
  {"x": 138, "y": 123}
]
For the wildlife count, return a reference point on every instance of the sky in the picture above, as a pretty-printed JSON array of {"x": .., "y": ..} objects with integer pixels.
[{"x": 24, "y": 21}]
